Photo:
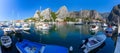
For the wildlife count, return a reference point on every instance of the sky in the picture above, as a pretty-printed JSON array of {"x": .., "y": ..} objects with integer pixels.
[{"x": 22, "y": 9}]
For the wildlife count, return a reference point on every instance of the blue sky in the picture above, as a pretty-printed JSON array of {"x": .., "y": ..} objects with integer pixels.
[{"x": 22, "y": 9}]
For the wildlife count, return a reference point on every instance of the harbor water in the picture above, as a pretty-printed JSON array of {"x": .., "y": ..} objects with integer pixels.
[{"x": 65, "y": 35}]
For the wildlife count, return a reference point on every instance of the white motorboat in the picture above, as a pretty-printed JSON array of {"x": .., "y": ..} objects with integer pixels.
[
  {"x": 94, "y": 29},
  {"x": 18, "y": 26},
  {"x": 79, "y": 23},
  {"x": 114, "y": 27},
  {"x": 104, "y": 25},
  {"x": 25, "y": 26},
  {"x": 6, "y": 41},
  {"x": 93, "y": 42},
  {"x": 7, "y": 29},
  {"x": 43, "y": 26}
]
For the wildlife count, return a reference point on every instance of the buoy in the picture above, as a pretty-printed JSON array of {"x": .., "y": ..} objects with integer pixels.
[{"x": 71, "y": 48}]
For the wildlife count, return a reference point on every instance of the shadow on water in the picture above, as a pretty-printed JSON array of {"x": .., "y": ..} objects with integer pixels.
[{"x": 98, "y": 48}]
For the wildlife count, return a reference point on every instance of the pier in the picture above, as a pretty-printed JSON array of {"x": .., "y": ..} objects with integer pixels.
[{"x": 117, "y": 48}]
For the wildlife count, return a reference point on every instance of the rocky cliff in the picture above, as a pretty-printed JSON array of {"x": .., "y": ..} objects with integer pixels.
[
  {"x": 114, "y": 15},
  {"x": 37, "y": 14},
  {"x": 62, "y": 12},
  {"x": 74, "y": 14},
  {"x": 46, "y": 14},
  {"x": 105, "y": 15},
  {"x": 85, "y": 14},
  {"x": 89, "y": 14}
]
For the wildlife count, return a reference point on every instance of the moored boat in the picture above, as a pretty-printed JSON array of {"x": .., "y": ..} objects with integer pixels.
[
  {"x": 93, "y": 42},
  {"x": 43, "y": 26},
  {"x": 26, "y": 27},
  {"x": 114, "y": 28},
  {"x": 109, "y": 31},
  {"x": 104, "y": 25},
  {"x": 7, "y": 29},
  {"x": 79, "y": 23},
  {"x": 27, "y": 46},
  {"x": 93, "y": 29},
  {"x": 6, "y": 41}
]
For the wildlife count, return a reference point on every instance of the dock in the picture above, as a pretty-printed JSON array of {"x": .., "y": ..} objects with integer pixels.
[{"x": 117, "y": 48}]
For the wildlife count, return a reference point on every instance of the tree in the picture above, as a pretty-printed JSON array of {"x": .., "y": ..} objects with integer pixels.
[
  {"x": 32, "y": 19},
  {"x": 46, "y": 20},
  {"x": 40, "y": 17},
  {"x": 70, "y": 19},
  {"x": 53, "y": 16}
]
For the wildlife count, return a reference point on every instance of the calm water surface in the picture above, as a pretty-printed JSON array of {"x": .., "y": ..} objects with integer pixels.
[{"x": 63, "y": 35}]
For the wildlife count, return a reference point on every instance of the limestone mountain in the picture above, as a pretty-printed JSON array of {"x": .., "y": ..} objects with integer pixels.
[
  {"x": 37, "y": 14},
  {"x": 90, "y": 14},
  {"x": 46, "y": 14},
  {"x": 105, "y": 15},
  {"x": 74, "y": 14},
  {"x": 62, "y": 12},
  {"x": 85, "y": 14},
  {"x": 115, "y": 14}
]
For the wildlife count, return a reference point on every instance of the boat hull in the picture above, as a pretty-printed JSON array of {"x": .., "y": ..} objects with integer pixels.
[
  {"x": 40, "y": 48},
  {"x": 89, "y": 47}
]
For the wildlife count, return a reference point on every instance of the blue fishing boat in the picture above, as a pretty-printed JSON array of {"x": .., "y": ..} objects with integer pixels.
[
  {"x": 109, "y": 31},
  {"x": 27, "y": 46}
]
